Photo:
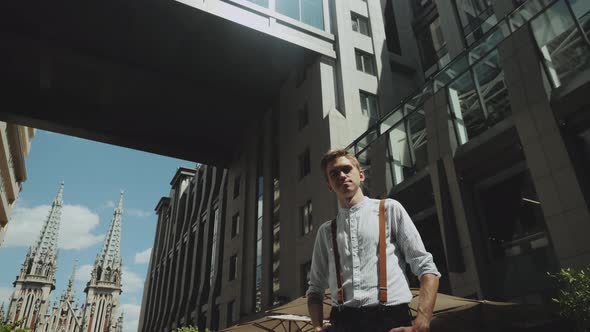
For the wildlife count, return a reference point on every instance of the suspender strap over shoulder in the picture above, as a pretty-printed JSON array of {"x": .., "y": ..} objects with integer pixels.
[
  {"x": 337, "y": 263},
  {"x": 382, "y": 258},
  {"x": 382, "y": 255}
]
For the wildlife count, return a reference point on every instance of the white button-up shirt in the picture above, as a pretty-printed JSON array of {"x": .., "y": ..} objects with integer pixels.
[{"x": 358, "y": 239}]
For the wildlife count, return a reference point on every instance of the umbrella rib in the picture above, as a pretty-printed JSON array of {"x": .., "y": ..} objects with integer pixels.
[{"x": 262, "y": 327}]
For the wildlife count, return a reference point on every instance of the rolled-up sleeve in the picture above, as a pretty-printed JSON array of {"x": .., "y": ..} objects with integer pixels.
[
  {"x": 319, "y": 272},
  {"x": 410, "y": 242}
]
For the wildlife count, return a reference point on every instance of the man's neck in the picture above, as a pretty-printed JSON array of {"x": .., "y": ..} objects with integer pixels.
[{"x": 348, "y": 202}]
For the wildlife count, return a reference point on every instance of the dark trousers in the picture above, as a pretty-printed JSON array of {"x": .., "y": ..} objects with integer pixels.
[{"x": 371, "y": 319}]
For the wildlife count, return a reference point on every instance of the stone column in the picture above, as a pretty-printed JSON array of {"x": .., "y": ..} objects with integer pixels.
[{"x": 463, "y": 272}]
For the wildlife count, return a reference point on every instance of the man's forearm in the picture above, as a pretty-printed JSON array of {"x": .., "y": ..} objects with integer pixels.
[
  {"x": 316, "y": 309},
  {"x": 427, "y": 298}
]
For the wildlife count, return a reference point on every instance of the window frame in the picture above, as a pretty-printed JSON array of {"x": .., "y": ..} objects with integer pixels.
[
  {"x": 304, "y": 159},
  {"x": 233, "y": 266},
  {"x": 306, "y": 224},
  {"x": 235, "y": 225},
  {"x": 367, "y": 61},
  {"x": 358, "y": 19}
]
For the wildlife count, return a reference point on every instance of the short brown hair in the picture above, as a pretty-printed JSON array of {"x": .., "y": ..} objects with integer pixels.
[{"x": 332, "y": 155}]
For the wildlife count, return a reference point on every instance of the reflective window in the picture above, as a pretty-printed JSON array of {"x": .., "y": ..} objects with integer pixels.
[
  {"x": 477, "y": 17},
  {"x": 465, "y": 108},
  {"x": 563, "y": 47},
  {"x": 230, "y": 313},
  {"x": 305, "y": 213},
  {"x": 237, "y": 186},
  {"x": 304, "y": 164},
  {"x": 307, "y": 11},
  {"x": 416, "y": 128},
  {"x": 214, "y": 246},
  {"x": 489, "y": 78},
  {"x": 235, "y": 225},
  {"x": 233, "y": 267},
  {"x": 369, "y": 105},
  {"x": 398, "y": 154},
  {"x": 365, "y": 62},
  {"x": 360, "y": 24},
  {"x": 263, "y": 3},
  {"x": 433, "y": 51}
]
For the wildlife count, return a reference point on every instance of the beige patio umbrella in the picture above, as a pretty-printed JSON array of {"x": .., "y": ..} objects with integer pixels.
[
  {"x": 279, "y": 323},
  {"x": 451, "y": 313}
]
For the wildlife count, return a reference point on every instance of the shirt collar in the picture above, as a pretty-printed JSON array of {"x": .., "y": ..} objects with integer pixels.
[{"x": 355, "y": 207}]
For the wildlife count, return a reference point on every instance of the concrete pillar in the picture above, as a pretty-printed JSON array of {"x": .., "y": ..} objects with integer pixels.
[{"x": 449, "y": 202}]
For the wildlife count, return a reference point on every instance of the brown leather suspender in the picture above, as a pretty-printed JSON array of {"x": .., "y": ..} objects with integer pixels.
[
  {"x": 382, "y": 255},
  {"x": 382, "y": 259},
  {"x": 337, "y": 262}
]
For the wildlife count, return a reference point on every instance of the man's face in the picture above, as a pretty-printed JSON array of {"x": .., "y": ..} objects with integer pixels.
[{"x": 343, "y": 177}]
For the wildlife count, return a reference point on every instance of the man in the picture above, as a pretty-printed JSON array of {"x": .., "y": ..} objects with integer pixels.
[{"x": 360, "y": 307}]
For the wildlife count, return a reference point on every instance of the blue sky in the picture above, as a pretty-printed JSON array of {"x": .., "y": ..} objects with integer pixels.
[{"x": 94, "y": 175}]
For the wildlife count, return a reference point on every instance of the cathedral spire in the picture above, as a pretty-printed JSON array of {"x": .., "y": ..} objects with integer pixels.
[
  {"x": 110, "y": 255},
  {"x": 45, "y": 248},
  {"x": 69, "y": 293},
  {"x": 2, "y": 314}
]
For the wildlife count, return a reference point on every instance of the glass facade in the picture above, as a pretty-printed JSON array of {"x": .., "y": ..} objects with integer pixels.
[
  {"x": 310, "y": 12},
  {"x": 561, "y": 39},
  {"x": 477, "y": 17}
]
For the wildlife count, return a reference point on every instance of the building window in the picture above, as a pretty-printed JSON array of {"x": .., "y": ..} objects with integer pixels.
[
  {"x": 307, "y": 11},
  {"x": 369, "y": 105},
  {"x": 235, "y": 225},
  {"x": 305, "y": 213},
  {"x": 360, "y": 24},
  {"x": 303, "y": 116},
  {"x": 477, "y": 17},
  {"x": 212, "y": 270},
  {"x": 365, "y": 62},
  {"x": 304, "y": 163},
  {"x": 305, "y": 271},
  {"x": 432, "y": 47},
  {"x": 230, "y": 314},
  {"x": 233, "y": 267},
  {"x": 391, "y": 33},
  {"x": 237, "y": 186}
]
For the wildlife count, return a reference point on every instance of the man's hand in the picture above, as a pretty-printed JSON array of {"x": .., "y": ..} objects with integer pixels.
[
  {"x": 323, "y": 328},
  {"x": 420, "y": 324}
]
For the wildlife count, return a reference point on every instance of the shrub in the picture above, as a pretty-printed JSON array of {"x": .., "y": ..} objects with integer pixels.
[{"x": 574, "y": 296}]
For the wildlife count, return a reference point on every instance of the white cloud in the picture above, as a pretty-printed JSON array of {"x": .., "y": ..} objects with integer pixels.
[
  {"x": 5, "y": 294},
  {"x": 138, "y": 213},
  {"x": 83, "y": 273},
  {"x": 143, "y": 257},
  {"x": 131, "y": 281},
  {"x": 75, "y": 232},
  {"x": 130, "y": 317}
]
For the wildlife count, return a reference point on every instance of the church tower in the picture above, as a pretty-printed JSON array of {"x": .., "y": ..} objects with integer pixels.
[
  {"x": 36, "y": 280},
  {"x": 64, "y": 317},
  {"x": 104, "y": 287}
]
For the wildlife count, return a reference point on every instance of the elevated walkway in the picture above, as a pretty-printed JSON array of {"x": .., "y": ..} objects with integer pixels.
[{"x": 161, "y": 76}]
